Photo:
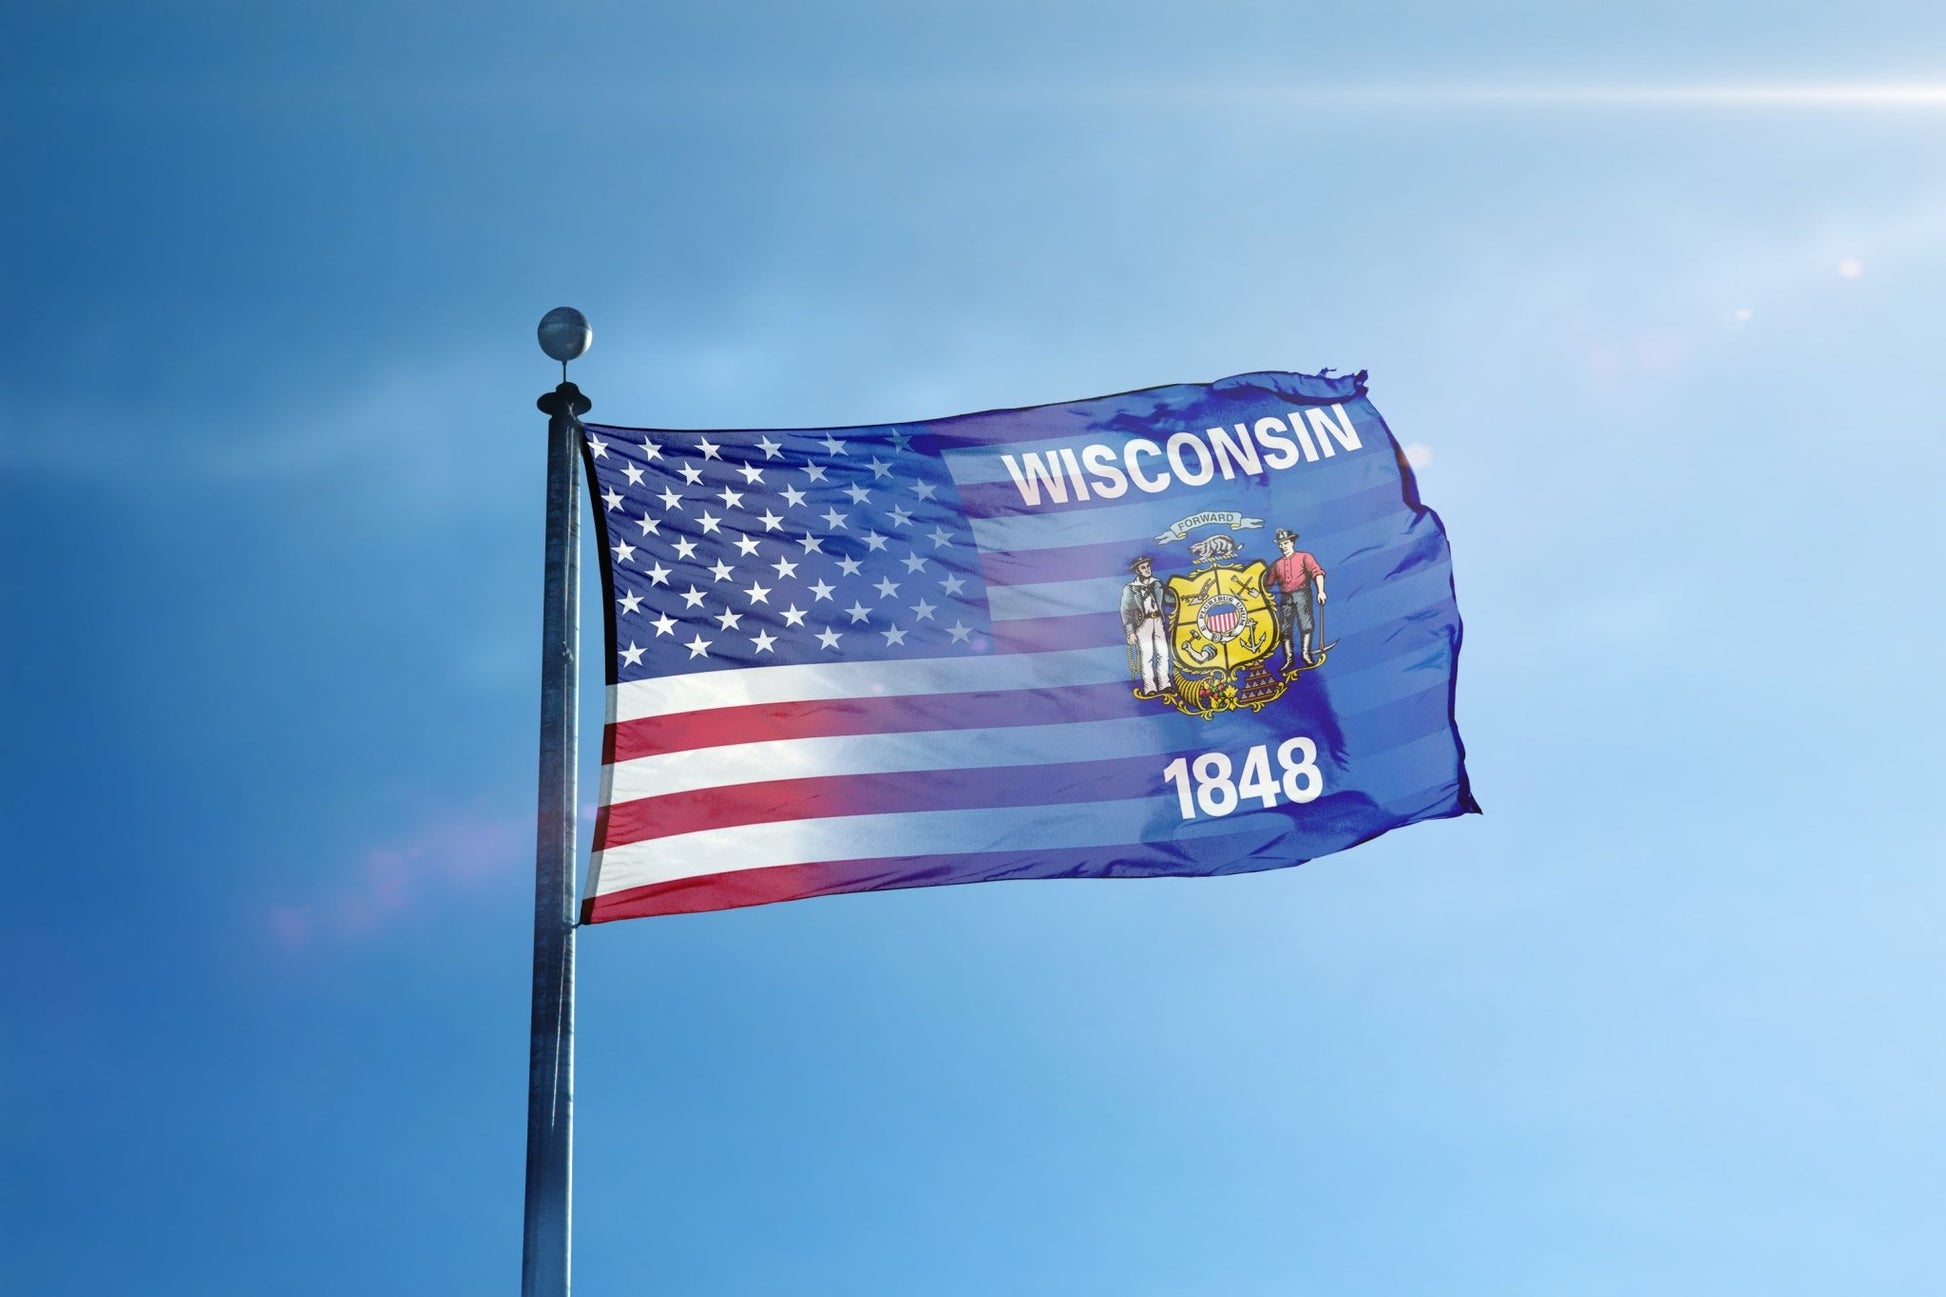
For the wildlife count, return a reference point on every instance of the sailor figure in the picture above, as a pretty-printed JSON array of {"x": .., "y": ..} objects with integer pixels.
[{"x": 1142, "y": 619}]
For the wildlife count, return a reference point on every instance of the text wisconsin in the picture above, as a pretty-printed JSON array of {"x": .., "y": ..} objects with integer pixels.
[{"x": 1192, "y": 459}]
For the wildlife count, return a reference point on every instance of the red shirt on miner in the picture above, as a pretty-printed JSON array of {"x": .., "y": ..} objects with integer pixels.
[{"x": 1298, "y": 579}]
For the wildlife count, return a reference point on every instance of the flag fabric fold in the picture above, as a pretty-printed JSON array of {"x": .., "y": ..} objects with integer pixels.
[{"x": 1198, "y": 629}]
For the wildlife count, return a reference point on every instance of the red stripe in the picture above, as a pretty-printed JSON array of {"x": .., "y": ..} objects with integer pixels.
[
  {"x": 890, "y": 793},
  {"x": 832, "y": 717},
  {"x": 710, "y": 892}
]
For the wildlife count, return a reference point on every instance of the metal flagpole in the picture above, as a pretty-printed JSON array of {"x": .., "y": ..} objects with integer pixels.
[{"x": 545, "y": 1249}]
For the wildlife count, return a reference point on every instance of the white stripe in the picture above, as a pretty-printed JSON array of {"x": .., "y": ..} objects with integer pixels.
[
  {"x": 702, "y": 690},
  {"x": 1138, "y": 521},
  {"x": 1373, "y": 685},
  {"x": 1055, "y": 598},
  {"x": 1394, "y": 602},
  {"x": 873, "y": 754},
  {"x": 1104, "y": 594},
  {"x": 914, "y": 833}
]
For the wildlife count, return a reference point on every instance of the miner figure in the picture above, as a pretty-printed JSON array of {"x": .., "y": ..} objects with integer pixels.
[{"x": 1299, "y": 581}]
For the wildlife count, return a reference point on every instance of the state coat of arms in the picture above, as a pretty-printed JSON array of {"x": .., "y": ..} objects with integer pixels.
[{"x": 1208, "y": 642}]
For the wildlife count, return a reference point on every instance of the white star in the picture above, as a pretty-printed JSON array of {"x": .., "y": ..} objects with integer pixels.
[
  {"x": 901, "y": 438},
  {"x": 685, "y": 548},
  {"x": 886, "y": 587},
  {"x": 783, "y": 567},
  {"x": 693, "y": 598},
  {"x": 770, "y": 521},
  {"x": 793, "y": 497},
  {"x": 880, "y": 468},
  {"x": 664, "y": 625},
  {"x": 649, "y": 526},
  {"x": 746, "y": 545},
  {"x": 721, "y": 570},
  {"x": 708, "y": 448},
  {"x": 763, "y": 640},
  {"x": 952, "y": 584},
  {"x": 833, "y": 445},
  {"x": 651, "y": 451},
  {"x": 596, "y": 446},
  {"x": 940, "y": 536},
  {"x": 768, "y": 447},
  {"x": 659, "y": 574},
  {"x": 611, "y": 498},
  {"x": 814, "y": 472},
  {"x": 959, "y": 631},
  {"x": 752, "y": 475},
  {"x": 834, "y": 520},
  {"x": 913, "y": 563},
  {"x": 848, "y": 566},
  {"x": 858, "y": 494},
  {"x": 828, "y": 638},
  {"x": 624, "y": 551},
  {"x": 758, "y": 593},
  {"x": 632, "y": 656},
  {"x": 811, "y": 544},
  {"x": 697, "y": 647},
  {"x": 709, "y": 522},
  {"x": 670, "y": 500},
  {"x": 793, "y": 616},
  {"x": 630, "y": 601},
  {"x": 900, "y": 517},
  {"x": 821, "y": 591},
  {"x": 874, "y": 541},
  {"x": 859, "y": 612},
  {"x": 731, "y": 499},
  {"x": 893, "y": 635},
  {"x": 691, "y": 474},
  {"x": 729, "y": 620},
  {"x": 923, "y": 610},
  {"x": 633, "y": 474},
  {"x": 926, "y": 490}
]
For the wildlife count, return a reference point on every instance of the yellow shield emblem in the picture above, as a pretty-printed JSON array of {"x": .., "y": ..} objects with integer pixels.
[{"x": 1223, "y": 619}]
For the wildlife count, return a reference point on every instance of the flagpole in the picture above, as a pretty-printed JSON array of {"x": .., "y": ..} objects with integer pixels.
[{"x": 545, "y": 1244}]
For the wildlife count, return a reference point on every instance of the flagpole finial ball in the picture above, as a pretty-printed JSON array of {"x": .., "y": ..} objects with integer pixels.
[{"x": 565, "y": 334}]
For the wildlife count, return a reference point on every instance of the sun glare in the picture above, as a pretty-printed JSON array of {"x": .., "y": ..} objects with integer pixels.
[{"x": 1889, "y": 95}]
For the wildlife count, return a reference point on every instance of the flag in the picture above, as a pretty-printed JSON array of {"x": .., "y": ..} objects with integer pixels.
[{"x": 1198, "y": 629}]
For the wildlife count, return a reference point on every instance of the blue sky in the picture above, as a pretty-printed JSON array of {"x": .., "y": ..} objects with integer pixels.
[{"x": 1664, "y": 1019}]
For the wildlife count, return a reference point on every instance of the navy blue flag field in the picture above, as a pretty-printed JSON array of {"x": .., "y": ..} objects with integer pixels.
[{"x": 1187, "y": 630}]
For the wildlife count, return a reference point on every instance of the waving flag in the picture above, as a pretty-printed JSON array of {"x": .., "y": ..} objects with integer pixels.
[{"x": 1187, "y": 630}]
